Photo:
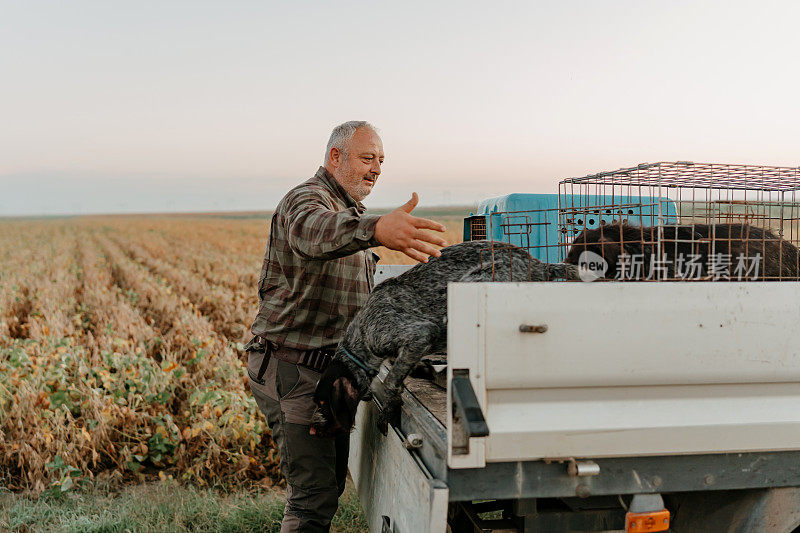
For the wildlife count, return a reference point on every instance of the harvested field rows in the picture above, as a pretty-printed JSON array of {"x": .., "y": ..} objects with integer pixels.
[{"x": 120, "y": 351}]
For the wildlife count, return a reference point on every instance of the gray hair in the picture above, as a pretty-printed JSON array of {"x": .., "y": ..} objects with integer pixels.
[{"x": 343, "y": 133}]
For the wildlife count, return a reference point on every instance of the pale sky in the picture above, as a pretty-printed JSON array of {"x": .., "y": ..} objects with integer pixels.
[{"x": 140, "y": 106}]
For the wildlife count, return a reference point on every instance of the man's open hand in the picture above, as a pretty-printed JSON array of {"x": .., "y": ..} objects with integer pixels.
[{"x": 401, "y": 231}]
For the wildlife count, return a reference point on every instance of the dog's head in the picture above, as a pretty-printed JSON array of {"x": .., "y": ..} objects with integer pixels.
[
  {"x": 591, "y": 243},
  {"x": 609, "y": 243},
  {"x": 336, "y": 397}
]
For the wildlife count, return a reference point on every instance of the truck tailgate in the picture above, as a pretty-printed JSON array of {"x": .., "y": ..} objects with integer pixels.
[{"x": 627, "y": 369}]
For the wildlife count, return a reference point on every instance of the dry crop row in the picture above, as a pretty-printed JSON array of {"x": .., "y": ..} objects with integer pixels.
[
  {"x": 120, "y": 351},
  {"x": 108, "y": 370}
]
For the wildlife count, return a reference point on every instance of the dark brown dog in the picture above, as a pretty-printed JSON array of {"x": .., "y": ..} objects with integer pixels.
[{"x": 779, "y": 258}]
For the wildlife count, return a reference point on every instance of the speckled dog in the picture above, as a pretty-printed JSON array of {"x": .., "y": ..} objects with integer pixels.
[{"x": 404, "y": 319}]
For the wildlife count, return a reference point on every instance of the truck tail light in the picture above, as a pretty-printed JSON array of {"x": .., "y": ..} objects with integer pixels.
[{"x": 646, "y": 522}]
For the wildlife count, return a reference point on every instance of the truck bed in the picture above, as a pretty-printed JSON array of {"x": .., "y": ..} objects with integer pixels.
[
  {"x": 431, "y": 396},
  {"x": 667, "y": 395},
  {"x": 424, "y": 414}
]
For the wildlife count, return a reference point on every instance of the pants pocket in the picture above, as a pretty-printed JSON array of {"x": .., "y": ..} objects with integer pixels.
[
  {"x": 267, "y": 385},
  {"x": 297, "y": 403},
  {"x": 288, "y": 376}
]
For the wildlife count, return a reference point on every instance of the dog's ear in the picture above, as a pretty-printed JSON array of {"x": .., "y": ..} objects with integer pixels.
[
  {"x": 322, "y": 391},
  {"x": 582, "y": 242},
  {"x": 344, "y": 402}
]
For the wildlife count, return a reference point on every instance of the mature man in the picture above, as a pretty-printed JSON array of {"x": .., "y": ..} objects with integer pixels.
[{"x": 317, "y": 273}]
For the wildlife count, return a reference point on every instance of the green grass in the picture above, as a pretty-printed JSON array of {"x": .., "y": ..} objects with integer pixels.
[{"x": 165, "y": 506}]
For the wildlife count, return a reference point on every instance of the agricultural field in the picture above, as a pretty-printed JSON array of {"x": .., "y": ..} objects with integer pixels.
[{"x": 120, "y": 351}]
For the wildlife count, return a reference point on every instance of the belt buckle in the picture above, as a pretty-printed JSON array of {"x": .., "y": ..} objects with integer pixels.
[{"x": 256, "y": 344}]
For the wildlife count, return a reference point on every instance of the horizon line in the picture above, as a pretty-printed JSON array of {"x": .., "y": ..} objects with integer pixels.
[{"x": 210, "y": 212}]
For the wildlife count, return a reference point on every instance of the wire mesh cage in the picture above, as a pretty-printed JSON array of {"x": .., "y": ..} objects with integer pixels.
[{"x": 683, "y": 221}]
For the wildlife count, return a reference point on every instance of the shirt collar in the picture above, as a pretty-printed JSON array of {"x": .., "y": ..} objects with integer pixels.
[{"x": 336, "y": 187}]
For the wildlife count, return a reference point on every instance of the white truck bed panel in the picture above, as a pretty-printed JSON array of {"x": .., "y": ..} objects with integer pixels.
[
  {"x": 642, "y": 421},
  {"x": 395, "y": 491},
  {"x": 628, "y": 368},
  {"x": 603, "y": 334}
]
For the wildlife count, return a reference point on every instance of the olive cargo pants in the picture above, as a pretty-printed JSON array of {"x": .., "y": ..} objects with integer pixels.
[{"x": 315, "y": 468}]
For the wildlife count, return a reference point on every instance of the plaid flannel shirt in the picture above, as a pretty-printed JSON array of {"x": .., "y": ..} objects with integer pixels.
[{"x": 317, "y": 271}]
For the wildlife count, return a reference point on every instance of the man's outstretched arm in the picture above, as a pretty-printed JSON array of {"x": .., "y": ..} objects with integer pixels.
[{"x": 316, "y": 232}]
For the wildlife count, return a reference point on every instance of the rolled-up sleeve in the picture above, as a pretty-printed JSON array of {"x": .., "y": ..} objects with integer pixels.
[{"x": 315, "y": 231}]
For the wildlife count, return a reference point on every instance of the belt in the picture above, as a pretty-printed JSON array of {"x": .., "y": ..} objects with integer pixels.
[{"x": 316, "y": 359}]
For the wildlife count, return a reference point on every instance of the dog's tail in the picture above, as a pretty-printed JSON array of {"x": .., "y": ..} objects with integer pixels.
[{"x": 563, "y": 271}]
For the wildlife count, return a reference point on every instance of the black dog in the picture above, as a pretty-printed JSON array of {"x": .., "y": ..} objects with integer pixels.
[
  {"x": 404, "y": 319},
  {"x": 779, "y": 258}
]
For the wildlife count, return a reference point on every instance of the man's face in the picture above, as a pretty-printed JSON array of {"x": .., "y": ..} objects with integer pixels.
[{"x": 358, "y": 168}]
